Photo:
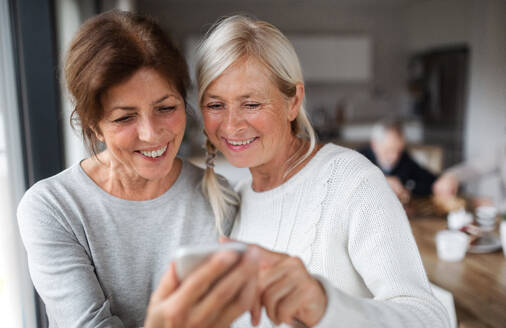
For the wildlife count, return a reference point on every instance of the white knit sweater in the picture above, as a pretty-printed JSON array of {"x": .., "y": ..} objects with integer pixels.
[{"x": 340, "y": 217}]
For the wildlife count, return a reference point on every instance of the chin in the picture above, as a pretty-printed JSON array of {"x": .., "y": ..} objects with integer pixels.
[
  {"x": 240, "y": 162},
  {"x": 154, "y": 174}
]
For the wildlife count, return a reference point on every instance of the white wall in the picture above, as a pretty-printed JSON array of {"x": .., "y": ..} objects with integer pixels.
[
  {"x": 383, "y": 94},
  {"x": 482, "y": 25},
  {"x": 486, "y": 116}
]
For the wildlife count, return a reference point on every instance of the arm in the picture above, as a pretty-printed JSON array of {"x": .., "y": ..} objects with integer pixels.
[
  {"x": 477, "y": 167},
  {"x": 383, "y": 251},
  {"x": 61, "y": 270}
]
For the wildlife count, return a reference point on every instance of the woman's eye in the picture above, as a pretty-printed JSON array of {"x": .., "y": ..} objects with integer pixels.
[
  {"x": 166, "y": 108},
  {"x": 252, "y": 105},
  {"x": 123, "y": 119},
  {"x": 214, "y": 106}
]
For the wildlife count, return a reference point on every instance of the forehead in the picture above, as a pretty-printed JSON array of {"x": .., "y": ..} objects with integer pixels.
[
  {"x": 246, "y": 75},
  {"x": 393, "y": 139},
  {"x": 146, "y": 84}
]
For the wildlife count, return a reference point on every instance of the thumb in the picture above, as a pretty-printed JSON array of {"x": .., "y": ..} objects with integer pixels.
[
  {"x": 225, "y": 239},
  {"x": 167, "y": 285}
]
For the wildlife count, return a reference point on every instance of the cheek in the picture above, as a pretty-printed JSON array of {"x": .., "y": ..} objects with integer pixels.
[
  {"x": 270, "y": 124},
  {"x": 176, "y": 123},
  {"x": 211, "y": 124},
  {"x": 121, "y": 137}
]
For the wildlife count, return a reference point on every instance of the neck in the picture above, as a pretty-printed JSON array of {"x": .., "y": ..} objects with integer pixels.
[
  {"x": 276, "y": 172},
  {"x": 124, "y": 184}
]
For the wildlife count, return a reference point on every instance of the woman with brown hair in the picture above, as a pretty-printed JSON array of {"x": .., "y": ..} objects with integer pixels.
[{"x": 100, "y": 235}]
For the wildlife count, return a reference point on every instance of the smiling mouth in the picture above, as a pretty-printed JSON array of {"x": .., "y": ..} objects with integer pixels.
[
  {"x": 154, "y": 153},
  {"x": 240, "y": 142}
]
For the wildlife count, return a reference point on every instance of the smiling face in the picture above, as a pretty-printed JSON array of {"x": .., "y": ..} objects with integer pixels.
[
  {"x": 246, "y": 117},
  {"x": 143, "y": 125}
]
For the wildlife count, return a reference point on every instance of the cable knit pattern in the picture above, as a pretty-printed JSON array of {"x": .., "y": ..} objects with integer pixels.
[{"x": 340, "y": 217}]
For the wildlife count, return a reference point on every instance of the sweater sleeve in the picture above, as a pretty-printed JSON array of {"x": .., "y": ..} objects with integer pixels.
[
  {"x": 487, "y": 163},
  {"x": 383, "y": 251},
  {"x": 61, "y": 269}
]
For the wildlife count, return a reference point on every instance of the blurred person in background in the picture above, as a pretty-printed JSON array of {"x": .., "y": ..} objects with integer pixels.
[
  {"x": 491, "y": 163},
  {"x": 100, "y": 235},
  {"x": 387, "y": 150},
  {"x": 334, "y": 243}
]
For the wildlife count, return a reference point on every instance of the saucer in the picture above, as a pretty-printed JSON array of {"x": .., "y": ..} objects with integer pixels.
[{"x": 485, "y": 244}]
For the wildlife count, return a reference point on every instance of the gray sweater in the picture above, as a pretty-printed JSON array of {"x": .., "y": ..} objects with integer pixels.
[{"x": 94, "y": 258}]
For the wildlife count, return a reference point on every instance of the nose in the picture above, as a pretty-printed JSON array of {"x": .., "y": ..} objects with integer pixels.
[
  {"x": 233, "y": 122},
  {"x": 148, "y": 129}
]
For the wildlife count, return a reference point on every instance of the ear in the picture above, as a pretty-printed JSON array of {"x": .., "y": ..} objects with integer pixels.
[
  {"x": 98, "y": 134},
  {"x": 296, "y": 101}
]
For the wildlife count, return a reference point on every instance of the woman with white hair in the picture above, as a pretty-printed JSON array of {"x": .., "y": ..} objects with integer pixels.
[{"x": 340, "y": 249}]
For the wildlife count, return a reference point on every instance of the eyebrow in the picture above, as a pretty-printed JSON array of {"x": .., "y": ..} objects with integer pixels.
[
  {"x": 153, "y": 103},
  {"x": 160, "y": 100},
  {"x": 246, "y": 96}
]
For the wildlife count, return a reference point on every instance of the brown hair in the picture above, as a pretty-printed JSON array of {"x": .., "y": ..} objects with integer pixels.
[{"x": 107, "y": 50}]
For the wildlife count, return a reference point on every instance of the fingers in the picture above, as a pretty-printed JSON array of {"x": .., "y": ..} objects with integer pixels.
[
  {"x": 225, "y": 239},
  {"x": 256, "y": 309},
  {"x": 239, "y": 305},
  {"x": 199, "y": 282},
  {"x": 307, "y": 303},
  {"x": 274, "y": 295},
  {"x": 227, "y": 288},
  {"x": 290, "y": 292},
  {"x": 166, "y": 286}
]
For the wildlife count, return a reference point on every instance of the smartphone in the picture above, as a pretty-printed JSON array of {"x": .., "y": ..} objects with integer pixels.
[{"x": 188, "y": 258}]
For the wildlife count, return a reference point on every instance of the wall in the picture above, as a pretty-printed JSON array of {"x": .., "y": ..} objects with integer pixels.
[
  {"x": 383, "y": 94},
  {"x": 482, "y": 25}
]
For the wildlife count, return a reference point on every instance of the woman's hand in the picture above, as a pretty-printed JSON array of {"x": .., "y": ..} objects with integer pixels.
[
  {"x": 286, "y": 290},
  {"x": 213, "y": 296},
  {"x": 446, "y": 186}
]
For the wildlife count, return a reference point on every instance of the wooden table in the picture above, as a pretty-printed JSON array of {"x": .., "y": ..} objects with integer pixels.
[{"x": 478, "y": 283}]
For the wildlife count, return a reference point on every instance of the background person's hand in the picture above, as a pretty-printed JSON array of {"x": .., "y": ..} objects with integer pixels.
[
  {"x": 214, "y": 295},
  {"x": 446, "y": 186},
  {"x": 287, "y": 290},
  {"x": 402, "y": 193}
]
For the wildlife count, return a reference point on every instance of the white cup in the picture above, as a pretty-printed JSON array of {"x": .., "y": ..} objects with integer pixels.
[
  {"x": 486, "y": 213},
  {"x": 451, "y": 245},
  {"x": 503, "y": 236},
  {"x": 459, "y": 219}
]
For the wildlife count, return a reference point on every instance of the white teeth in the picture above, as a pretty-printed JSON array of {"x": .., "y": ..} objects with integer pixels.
[
  {"x": 154, "y": 153},
  {"x": 240, "y": 143}
]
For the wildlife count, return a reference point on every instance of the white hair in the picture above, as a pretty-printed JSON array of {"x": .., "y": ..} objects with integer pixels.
[{"x": 239, "y": 36}]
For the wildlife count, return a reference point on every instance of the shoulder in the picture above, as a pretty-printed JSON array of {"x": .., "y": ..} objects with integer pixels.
[
  {"x": 45, "y": 203},
  {"x": 192, "y": 173},
  {"x": 340, "y": 162},
  {"x": 47, "y": 190},
  {"x": 343, "y": 170}
]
